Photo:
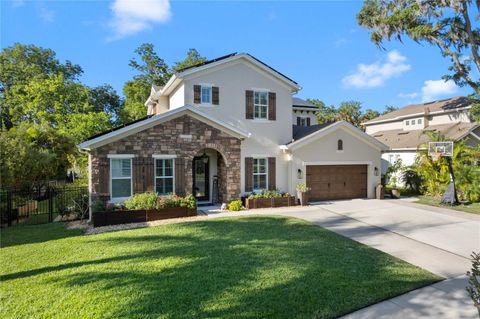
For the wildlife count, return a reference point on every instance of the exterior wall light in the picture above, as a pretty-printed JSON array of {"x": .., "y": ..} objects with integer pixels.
[
  {"x": 375, "y": 171},
  {"x": 299, "y": 174}
]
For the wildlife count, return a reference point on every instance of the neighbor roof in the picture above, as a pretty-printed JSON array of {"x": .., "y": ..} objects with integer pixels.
[
  {"x": 400, "y": 139},
  {"x": 302, "y": 131},
  {"x": 429, "y": 107},
  {"x": 298, "y": 102}
]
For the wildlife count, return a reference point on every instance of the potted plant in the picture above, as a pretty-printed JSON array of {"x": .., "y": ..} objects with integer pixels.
[
  {"x": 395, "y": 191},
  {"x": 302, "y": 193}
]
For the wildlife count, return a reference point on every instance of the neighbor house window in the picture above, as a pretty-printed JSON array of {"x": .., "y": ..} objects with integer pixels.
[
  {"x": 121, "y": 177},
  {"x": 260, "y": 173},
  {"x": 302, "y": 121},
  {"x": 419, "y": 121},
  {"x": 206, "y": 94},
  {"x": 407, "y": 123},
  {"x": 260, "y": 105},
  {"x": 164, "y": 176},
  {"x": 339, "y": 145}
]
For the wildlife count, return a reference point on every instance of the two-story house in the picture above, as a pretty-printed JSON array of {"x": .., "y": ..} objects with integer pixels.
[
  {"x": 404, "y": 130},
  {"x": 304, "y": 112},
  {"x": 223, "y": 129}
]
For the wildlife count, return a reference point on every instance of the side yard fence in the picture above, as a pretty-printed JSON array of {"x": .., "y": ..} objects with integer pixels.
[{"x": 43, "y": 204}]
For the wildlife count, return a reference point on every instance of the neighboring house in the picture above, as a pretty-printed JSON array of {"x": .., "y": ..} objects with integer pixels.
[
  {"x": 223, "y": 129},
  {"x": 404, "y": 130},
  {"x": 304, "y": 112}
]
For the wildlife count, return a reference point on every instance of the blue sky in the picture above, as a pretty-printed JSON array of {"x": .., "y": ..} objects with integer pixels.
[{"x": 317, "y": 43}]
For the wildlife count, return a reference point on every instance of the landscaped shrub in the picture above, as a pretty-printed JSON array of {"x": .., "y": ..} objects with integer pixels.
[
  {"x": 268, "y": 194},
  {"x": 302, "y": 188},
  {"x": 412, "y": 179},
  {"x": 173, "y": 201},
  {"x": 98, "y": 206},
  {"x": 142, "y": 201},
  {"x": 474, "y": 282},
  {"x": 235, "y": 205}
]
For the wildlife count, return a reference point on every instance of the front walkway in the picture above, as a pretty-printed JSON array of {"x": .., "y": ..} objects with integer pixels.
[{"x": 434, "y": 239}]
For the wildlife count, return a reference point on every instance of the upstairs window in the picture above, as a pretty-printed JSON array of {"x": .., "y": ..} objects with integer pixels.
[
  {"x": 260, "y": 174},
  {"x": 303, "y": 121},
  {"x": 419, "y": 121},
  {"x": 260, "y": 105},
  {"x": 413, "y": 122},
  {"x": 206, "y": 94},
  {"x": 407, "y": 122}
]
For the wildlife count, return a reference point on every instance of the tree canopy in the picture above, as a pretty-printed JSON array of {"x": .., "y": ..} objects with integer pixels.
[{"x": 451, "y": 25}]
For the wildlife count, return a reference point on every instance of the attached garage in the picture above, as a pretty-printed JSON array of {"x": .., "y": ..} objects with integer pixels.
[
  {"x": 335, "y": 160},
  {"x": 337, "y": 181}
]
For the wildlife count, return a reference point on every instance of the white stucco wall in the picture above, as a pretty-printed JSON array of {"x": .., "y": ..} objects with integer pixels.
[
  {"x": 452, "y": 117},
  {"x": 323, "y": 151},
  {"x": 372, "y": 128},
  {"x": 177, "y": 97},
  {"x": 266, "y": 136}
]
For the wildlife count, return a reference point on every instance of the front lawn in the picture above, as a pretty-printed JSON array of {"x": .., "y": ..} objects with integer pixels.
[
  {"x": 473, "y": 208},
  {"x": 246, "y": 267}
]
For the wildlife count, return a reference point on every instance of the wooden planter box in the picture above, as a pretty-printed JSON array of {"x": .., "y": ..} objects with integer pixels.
[
  {"x": 270, "y": 202},
  {"x": 118, "y": 217}
]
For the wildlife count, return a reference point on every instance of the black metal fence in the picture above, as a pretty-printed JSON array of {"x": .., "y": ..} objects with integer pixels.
[{"x": 42, "y": 204}]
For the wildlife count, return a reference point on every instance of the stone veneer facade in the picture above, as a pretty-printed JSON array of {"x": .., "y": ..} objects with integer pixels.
[{"x": 172, "y": 138}]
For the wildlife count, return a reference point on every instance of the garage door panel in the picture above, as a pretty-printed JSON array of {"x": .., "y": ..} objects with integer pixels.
[{"x": 337, "y": 181}]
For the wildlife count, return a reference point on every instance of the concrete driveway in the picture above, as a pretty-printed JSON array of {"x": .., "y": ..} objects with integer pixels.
[{"x": 436, "y": 239}]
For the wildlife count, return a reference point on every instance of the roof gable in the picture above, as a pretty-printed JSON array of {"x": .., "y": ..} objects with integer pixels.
[
  {"x": 145, "y": 123},
  {"x": 231, "y": 58},
  {"x": 327, "y": 129}
]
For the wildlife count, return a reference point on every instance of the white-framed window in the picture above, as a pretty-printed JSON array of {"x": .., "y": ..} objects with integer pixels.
[
  {"x": 413, "y": 122},
  {"x": 206, "y": 94},
  {"x": 419, "y": 121},
  {"x": 407, "y": 122},
  {"x": 164, "y": 175},
  {"x": 260, "y": 105},
  {"x": 260, "y": 174},
  {"x": 302, "y": 121},
  {"x": 120, "y": 178}
]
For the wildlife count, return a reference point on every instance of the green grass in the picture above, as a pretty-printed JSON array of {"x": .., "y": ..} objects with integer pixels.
[
  {"x": 246, "y": 267},
  {"x": 473, "y": 208},
  {"x": 19, "y": 235}
]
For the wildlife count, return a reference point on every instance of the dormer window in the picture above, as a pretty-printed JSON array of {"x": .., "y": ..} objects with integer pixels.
[{"x": 206, "y": 94}]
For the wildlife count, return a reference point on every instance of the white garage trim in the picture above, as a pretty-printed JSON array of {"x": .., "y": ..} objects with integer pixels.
[{"x": 338, "y": 163}]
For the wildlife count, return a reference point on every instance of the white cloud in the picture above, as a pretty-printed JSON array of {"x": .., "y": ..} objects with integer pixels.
[
  {"x": 47, "y": 15},
  {"x": 133, "y": 16},
  {"x": 434, "y": 89},
  {"x": 408, "y": 95},
  {"x": 376, "y": 74}
]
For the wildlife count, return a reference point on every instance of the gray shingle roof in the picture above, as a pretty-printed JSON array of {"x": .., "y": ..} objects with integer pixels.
[
  {"x": 298, "y": 102},
  {"x": 397, "y": 139},
  {"x": 435, "y": 106},
  {"x": 302, "y": 131}
]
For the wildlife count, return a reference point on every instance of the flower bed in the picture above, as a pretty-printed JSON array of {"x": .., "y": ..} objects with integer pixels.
[
  {"x": 117, "y": 217},
  {"x": 269, "y": 199},
  {"x": 142, "y": 208}
]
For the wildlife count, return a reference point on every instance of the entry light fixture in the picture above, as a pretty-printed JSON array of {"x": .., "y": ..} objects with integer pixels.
[
  {"x": 205, "y": 158},
  {"x": 299, "y": 174},
  {"x": 375, "y": 171}
]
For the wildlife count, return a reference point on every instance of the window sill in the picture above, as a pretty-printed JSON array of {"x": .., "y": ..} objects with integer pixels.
[
  {"x": 205, "y": 105},
  {"x": 117, "y": 200},
  {"x": 261, "y": 121}
]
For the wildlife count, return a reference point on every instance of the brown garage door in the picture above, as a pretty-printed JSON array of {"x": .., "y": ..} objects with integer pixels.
[{"x": 337, "y": 181}]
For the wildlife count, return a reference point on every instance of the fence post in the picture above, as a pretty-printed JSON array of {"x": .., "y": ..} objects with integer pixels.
[
  {"x": 50, "y": 204},
  {"x": 9, "y": 207}
]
